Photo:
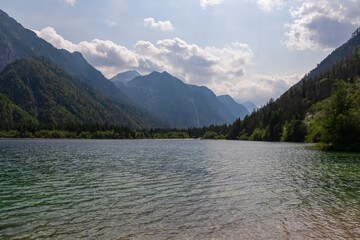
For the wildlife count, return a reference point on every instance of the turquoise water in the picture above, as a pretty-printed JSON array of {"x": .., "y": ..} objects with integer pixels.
[{"x": 176, "y": 189}]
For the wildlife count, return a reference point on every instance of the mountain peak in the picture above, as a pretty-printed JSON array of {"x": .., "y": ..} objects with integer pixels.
[
  {"x": 250, "y": 106},
  {"x": 226, "y": 96},
  {"x": 126, "y": 76},
  {"x": 237, "y": 109}
]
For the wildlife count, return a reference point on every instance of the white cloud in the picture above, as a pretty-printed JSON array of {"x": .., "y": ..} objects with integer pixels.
[
  {"x": 71, "y": 2},
  {"x": 322, "y": 24},
  {"x": 221, "y": 69},
  {"x": 270, "y": 5},
  {"x": 162, "y": 25},
  {"x": 50, "y": 35},
  {"x": 104, "y": 55},
  {"x": 205, "y": 3},
  {"x": 264, "y": 87}
]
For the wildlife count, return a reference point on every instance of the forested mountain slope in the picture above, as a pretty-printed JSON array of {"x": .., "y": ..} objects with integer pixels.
[
  {"x": 50, "y": 95},
  {"x": 325, "y": 108},
  {"x": 17, "y": 42}
]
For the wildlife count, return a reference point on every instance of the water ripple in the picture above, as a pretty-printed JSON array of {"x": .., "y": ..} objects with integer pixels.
[{"x": 89, "y": 189}]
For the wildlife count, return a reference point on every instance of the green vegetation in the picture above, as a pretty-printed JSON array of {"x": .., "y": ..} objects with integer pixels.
[
  {"x": 213, "y": 135},
  {"x": 325, "y": 109},
  {"x": 50, "y": 95},
  {"x": 89, "y": 131},
  {"x": 17, "y": 42},
  {"x": 338, "y": 123},
  {"x": 11, "y": 115}
]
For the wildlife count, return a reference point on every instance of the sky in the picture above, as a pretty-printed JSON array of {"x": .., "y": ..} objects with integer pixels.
[{"x": 253, "y": 50}]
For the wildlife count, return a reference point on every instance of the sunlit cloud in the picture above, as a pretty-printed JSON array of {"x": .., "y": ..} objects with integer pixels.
[
  {"x": 162, "y": 25},
  {"x": 322, "y": 24},
  {"x": 270, "y": 5},
  {"x": 224, "y": 70},
  {"x": 70, "y": 2},
  {"x": 205, "y": 3}
]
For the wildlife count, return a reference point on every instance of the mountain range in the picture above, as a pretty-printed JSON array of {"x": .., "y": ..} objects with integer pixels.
[
  {"x": 39, "y": 83},
  {"x": 182, "y": 104},
  {"x": 17, "y": 42},
  {"x": 154, "y": 100}
]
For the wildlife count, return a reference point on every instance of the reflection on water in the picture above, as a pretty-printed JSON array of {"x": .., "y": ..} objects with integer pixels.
[{"x": 176, "y": 190}]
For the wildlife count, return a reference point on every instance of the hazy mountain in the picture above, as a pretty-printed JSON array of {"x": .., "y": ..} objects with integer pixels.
[
  {"x": 176, "y": 102},
  {"x": 16, "y": 42},
  {"x": 50, "y": 95},
  {"x": 125, "y": 76},
  {"x": 238, "y": 110},
  {"x": 250, "y": 106}
]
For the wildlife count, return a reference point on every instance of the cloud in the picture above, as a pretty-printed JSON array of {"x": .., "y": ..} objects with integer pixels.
[
  {"x": 260, "y": 88},
  {"x": 205, "y": 3},
  {"x": 50, "y": 35},
  {"x": 270, "y": 5},
  {"x": 104, "y": 55},
  {"x": 322, "y": 24},
  {"x": 162, "y": 25},
  {"x": 224, "y": 70},
  {"x": 71, "y": 2}
]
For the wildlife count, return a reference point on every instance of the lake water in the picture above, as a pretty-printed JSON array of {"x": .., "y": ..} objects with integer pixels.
[{"x": 176, "y": 189}]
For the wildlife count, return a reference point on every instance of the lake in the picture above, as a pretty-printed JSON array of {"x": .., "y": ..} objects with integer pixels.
[{"x": 176, "y": 189}]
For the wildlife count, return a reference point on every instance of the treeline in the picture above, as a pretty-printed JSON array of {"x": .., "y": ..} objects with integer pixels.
[
  {"x": 89, "y": 131},
  {"x": 109, "y": 131}
]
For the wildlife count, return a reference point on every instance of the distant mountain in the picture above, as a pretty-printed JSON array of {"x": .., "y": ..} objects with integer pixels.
[
  {"x": 174, "y": 101},
  {"x": 238, "y": 110},
  {"x": 251, "y": 107},
  {"x": 16, "y": 42},
  {"x": 125, "y": 76},
  {"x": 50, "y": 95}
]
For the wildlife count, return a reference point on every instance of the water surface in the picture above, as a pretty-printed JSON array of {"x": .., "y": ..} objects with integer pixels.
[{"x": 176, "y": 189}]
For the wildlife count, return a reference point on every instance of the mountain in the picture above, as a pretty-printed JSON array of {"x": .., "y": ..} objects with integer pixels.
[
  {"x": 11, "y": 114},
  {"x": 323, "y": 107},
  {"x": 250, "y": 106},
  {"x": 174, "y": 101},
  {"x": 48, "y": 94},
  {"x": 335, "y": 56},
  {"x": 125, "y": 76},
  {"x": 236, "y": 109},
  {"x": 16, "y": 42}
]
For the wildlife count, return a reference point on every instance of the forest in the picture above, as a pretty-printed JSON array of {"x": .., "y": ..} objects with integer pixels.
[{"x": 324, "y": 109}]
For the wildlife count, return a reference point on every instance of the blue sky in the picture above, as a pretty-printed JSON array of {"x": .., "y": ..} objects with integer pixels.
[{"x": 251, "y": 49}]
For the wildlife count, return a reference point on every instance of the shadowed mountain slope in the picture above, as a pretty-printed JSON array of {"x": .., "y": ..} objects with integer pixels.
[{"x": 174, "y": 101}]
